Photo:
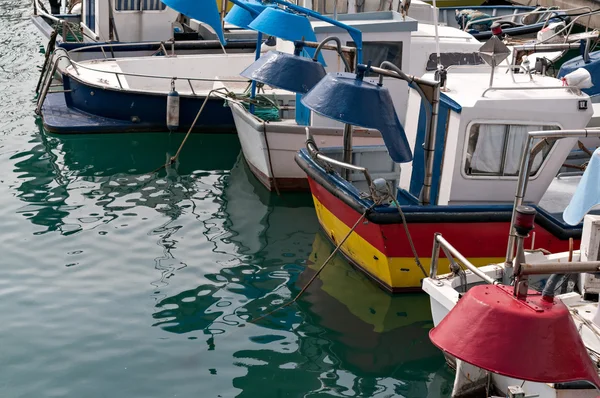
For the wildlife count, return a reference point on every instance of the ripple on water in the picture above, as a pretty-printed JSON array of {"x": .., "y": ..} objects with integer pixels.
[{"x": 117, "y": 283}]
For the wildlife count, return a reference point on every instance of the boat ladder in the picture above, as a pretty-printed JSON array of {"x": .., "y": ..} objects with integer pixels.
[{"x": 47, "y": 76}]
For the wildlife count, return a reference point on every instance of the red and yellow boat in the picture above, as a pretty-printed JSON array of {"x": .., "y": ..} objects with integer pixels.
[{"x": 479, "y": 138}]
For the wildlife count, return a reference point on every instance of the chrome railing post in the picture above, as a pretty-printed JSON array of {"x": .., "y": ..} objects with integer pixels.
[{"x": 435, "y": 256}]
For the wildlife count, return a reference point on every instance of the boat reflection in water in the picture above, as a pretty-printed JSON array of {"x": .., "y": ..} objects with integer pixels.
[
  {"x": 192, "y": 253},
  {"x": 115, "y": 171},
  {"x": 370, "y": 330}
]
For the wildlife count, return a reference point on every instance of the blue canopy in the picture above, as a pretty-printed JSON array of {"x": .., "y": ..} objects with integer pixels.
[{"x": 202, "y": 10}]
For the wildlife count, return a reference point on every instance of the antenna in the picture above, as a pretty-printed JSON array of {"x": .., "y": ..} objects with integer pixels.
[{"x": 437, "y": 36}]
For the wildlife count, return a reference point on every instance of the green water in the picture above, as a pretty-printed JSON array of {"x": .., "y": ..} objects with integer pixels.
[{"x": 117, "y": 283}]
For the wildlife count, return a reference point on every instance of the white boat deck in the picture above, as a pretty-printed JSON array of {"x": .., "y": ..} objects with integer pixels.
[{"x": 195, "y": 74}]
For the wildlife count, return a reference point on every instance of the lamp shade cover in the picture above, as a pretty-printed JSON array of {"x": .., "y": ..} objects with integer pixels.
[
  {"x": 285, "y": 71},
  {"x": 533, "y": 339},
  {"x": 351, "y": 100},
  {"x": 241, "y": 17},
  {"x": 283, "y": 24}
]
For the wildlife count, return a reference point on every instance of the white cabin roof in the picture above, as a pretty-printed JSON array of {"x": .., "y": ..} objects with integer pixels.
[
  {"x": 466, "y": 86},
  {"x": 446, "y": 33}
]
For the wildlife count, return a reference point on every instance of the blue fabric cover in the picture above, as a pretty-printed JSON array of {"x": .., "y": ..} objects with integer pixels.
[
  {"x": 587, "y": 194},
  {"x": 203, "y": 10},
  {"x": 242, "y": 18}
]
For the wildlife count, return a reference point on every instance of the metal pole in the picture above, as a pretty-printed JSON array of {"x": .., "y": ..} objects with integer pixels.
[
  {"x": 257, "y": 56},
  {"x": 559, "y": 268},
  {"x": 347, "y": 150},
  {"x": 521, "y": 281},
  {"x": 546, "y": 47},
  {"x": 429, "y": 147},
  {"x": 464, "y": 261},
  {"x": 335, "y": 4},
  {"x": 519, "y": 195},
  {"x": 429, "y": 144},
  {"x": 523, "y": 178},
  {"x": 435, "y": 256}
]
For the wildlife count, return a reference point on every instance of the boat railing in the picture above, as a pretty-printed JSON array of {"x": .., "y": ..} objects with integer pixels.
[
  {"x": 574, "y": 90},
  {"x": 110, "y": 47},
  {"x": 550, "y": 14},
  {"x": 66, "y": 28},
  {"x": 526, "y": 268},
  {"x": 78, "y": 66},
  {"x": 568, "y": 28},
  {"x": 314, "y": 152},
  {"x": 439, "y": 243},
  {"x": 86, "y": 31}
]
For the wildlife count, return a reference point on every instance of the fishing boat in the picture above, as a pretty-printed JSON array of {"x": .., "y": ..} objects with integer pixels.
[
  {"x": 175, "y": 93},
  {"x": 269, "y": 145},
  {"x": 465, "y": 162},
  {"x": 515, "y": 21},
  {"x": 138, "y": 26},
  {"x": 554, "y": 296}
]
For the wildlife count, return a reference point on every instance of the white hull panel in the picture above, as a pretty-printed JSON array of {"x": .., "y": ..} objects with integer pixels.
[{"x": 283, "y": 140}]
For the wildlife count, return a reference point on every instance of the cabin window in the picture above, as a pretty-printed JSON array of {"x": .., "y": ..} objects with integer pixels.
[
  {"x": 139, "y": 5},
  {"x": 449, "y": 59},
  {"x": 495, "y": 149},
  {"x": 377, "y": 52}
]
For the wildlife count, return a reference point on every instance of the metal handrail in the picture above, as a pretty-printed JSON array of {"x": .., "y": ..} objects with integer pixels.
[
  {"x": 501, "y": 17},
  {"x": 65, "y": 26},
  {"x": 438, "y": 243},
  {"x": 573, "y": 22},
  {"x": 525, "y": 166},
  {"x": 559, "y": 268},
  {"x": 77, "y": 65},
  {"x": 314, "y": 152},
  {"x": 40, "y": 11},
  {"x": 114, "y": 45},
  {"x": 570, "y": 88}
]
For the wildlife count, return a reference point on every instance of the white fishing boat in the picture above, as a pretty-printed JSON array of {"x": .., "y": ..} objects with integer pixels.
[{"x": 503, "y": 326}]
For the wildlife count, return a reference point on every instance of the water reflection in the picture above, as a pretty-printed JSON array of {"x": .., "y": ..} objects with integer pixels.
[
  {"x": 350, "y": 339},
  {"x": 58, "y": 174},
  {"x": 265, "y": 240},
  {"x": 229, "y": 251}
]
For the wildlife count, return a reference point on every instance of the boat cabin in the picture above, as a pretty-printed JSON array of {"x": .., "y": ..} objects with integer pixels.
[
  {"x": 481, "y": 132},
  {"x": 127, "y": 20}
]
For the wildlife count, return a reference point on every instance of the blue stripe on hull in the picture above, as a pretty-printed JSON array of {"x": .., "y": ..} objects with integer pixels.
[{"x": 147, "y": 109}]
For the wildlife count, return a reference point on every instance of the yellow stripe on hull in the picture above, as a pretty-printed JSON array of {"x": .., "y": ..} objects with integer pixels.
[{"x": 394, "y": 273}]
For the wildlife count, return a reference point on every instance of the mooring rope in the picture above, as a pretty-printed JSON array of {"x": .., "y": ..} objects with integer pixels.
[
  {"x": 275, "y": 185},
  {"x": 408, "y": 236},
  {"x": 333, "y": 253}
]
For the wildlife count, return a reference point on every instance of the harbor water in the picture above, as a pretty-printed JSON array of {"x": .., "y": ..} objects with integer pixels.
[{"x": 118, "y": 281}]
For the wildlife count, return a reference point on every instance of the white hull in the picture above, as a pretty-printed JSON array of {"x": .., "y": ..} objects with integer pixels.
[{"x": 276, "y": 165}]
